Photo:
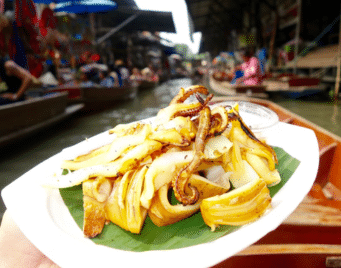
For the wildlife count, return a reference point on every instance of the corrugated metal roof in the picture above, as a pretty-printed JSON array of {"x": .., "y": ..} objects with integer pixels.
[
  {"x": 145, "y": 21},
  {"x": 215, "y": 19}
]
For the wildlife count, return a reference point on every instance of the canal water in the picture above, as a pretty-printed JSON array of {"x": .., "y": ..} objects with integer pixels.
[{"x": 18, "y": 159}]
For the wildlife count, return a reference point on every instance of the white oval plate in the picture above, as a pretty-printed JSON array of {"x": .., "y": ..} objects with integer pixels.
[{"x": 43, "y": 217}]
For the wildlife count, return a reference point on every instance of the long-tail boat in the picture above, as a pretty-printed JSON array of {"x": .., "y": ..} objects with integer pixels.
[
  {"x": 293, "y": 86},
  {"x": 97, "y": 95},
  {"x": 224, "y": 87},
  {"x": 288, "y": 85},
  {"x": 24, "y": 118},
  {"x": 147, "y": 84}
]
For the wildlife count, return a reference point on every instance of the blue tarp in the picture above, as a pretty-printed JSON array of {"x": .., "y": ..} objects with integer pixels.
[{"x": 86, "y": 6}]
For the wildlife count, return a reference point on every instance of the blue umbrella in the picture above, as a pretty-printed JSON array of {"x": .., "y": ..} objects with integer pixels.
[{"x": 85, "y": 6}]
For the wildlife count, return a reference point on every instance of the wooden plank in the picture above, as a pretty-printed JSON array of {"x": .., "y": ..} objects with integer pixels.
[
  {"x": 291, "y": 248},
  {"x": 333, "y": 191},
  {"x": 327, "y": 154},
  {"x": 283, "y": 256},
  {"x": 316, "y": 212}
]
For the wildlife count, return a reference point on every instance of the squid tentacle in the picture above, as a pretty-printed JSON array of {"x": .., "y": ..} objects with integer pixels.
[
  {"x": 195, "y": 110},
  {"x": 185, "y": 93},
  {"x": 181, "y": 181},
  {"x": 219, "y": 121}
]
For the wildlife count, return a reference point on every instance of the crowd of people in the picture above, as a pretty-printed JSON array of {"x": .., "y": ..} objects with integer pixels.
[
  {"x": 27, "y": 62},
  {"x": 84, "y": 71}
]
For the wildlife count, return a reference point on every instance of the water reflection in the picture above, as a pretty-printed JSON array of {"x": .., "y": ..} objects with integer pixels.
[{"x": 325, "y": 114}]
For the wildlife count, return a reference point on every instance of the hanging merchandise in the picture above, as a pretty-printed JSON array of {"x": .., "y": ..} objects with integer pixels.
[
  {"x": 48, "y": 19},
  {"x": 16, "y": 48},
  {"x": 25, "y": 12}
]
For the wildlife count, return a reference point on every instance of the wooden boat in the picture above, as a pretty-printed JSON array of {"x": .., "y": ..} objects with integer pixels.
[
  {"x": 91, "y": 96},
  {"x": 226, "y": 88},
  {"x": 222, "y": 76},
  {"x": 147, "y": 84},
  {"x": 287, "y": 85},
  {"x": 107, "y": 95},
  {"x": 27, "y": 117},
  {"x": 311, "y": 235},
  {"x": 294, "y": 86},
  {"x": 74, "y": 93}
]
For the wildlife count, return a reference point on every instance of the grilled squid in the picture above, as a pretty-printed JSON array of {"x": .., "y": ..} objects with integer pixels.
[
  {"x": 181, "y": 181},
  {"x": 177, "y": 107}
]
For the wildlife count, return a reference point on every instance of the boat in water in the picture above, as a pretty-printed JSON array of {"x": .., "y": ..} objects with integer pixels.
[
  {"x": 92, "y": 96},
  {"x": 98, "y": 95},
  {"x": 287, "y": 85},
  {"x": 24, "y": 118},
  {"x": 311, "y": 235},
  {"x": 224, "y": 87},
  {"x": 293, "y": 86},
  {"x": 148, "y": 84}
]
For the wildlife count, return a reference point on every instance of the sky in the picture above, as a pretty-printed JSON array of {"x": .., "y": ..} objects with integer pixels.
[{"x": 179, "y": 12}]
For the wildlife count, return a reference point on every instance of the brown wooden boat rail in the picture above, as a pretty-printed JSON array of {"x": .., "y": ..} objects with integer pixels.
[
  {"x": 311, "y": 235},
  {"x": 74, "y": 93},
  {"x": 314, "y": 255},
  {"x": 224, "y": 87},
  {"x": 251, "y": 88}
]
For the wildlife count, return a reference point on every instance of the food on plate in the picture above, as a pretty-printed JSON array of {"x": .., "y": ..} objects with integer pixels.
[
  {"x": 207, "y": 158},
  {"x": 237, "y": 207},
  {"x": 163, "y": 213}
]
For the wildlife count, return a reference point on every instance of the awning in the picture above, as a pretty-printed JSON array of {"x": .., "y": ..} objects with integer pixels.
[
  {"x": 152, "y": 21},
  {"x": 86, "y": 6}
]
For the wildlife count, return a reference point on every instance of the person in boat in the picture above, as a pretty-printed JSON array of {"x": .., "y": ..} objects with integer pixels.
[
  {"x": 17, "y": 80},
  {"x": 73, "y": 65},
  {"x": 136, "y": 75},
  {"x": 149, "y": 75},
  {"x": 122, "y": 72},
  {"x": 105, "y": 79},
  {"x": 68, "y": 80},
  {"x": 114, "y": 76},
  {"x": 85, "y": 80},
  {"x": 252, "y": 74}
]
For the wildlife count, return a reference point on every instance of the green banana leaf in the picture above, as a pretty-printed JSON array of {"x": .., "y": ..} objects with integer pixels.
[{"x": 185, "y": 233}]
